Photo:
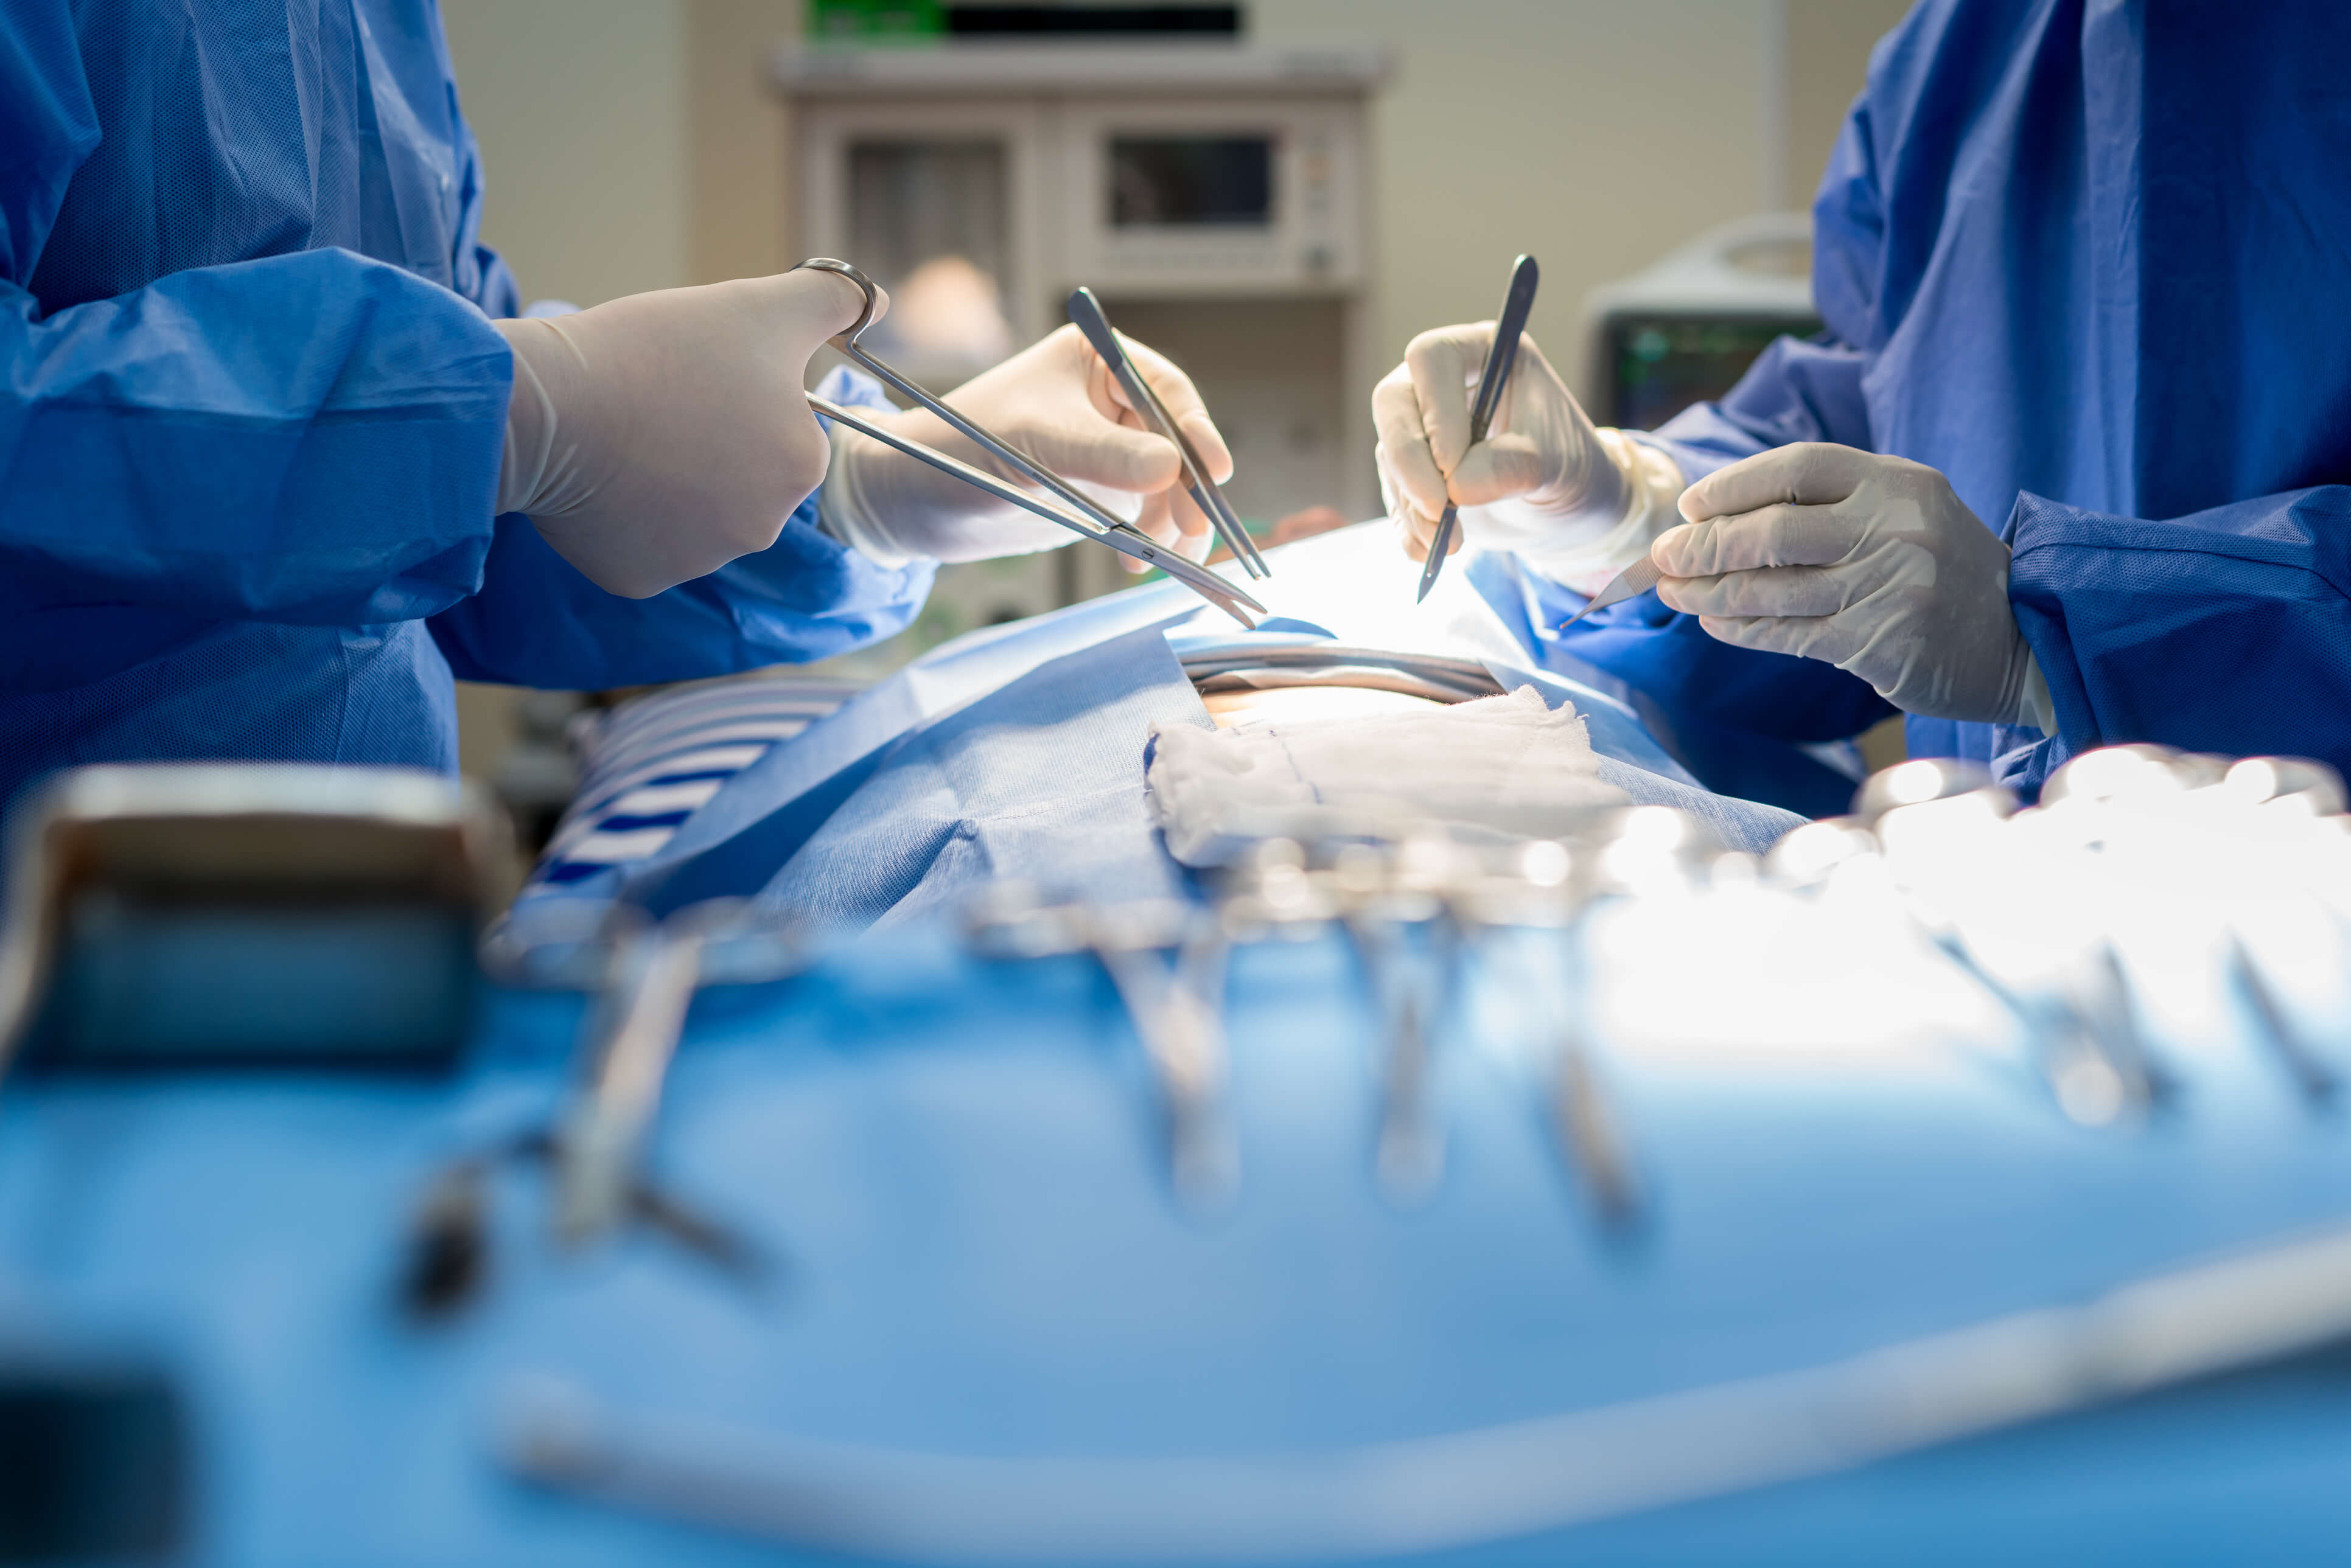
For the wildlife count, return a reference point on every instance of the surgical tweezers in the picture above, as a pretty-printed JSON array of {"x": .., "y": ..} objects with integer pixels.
[{"x": 1082, "y": 515}]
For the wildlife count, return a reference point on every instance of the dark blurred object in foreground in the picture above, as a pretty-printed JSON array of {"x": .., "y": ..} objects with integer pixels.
[
  {"x": 93, "y": 1463},
  {"x": 194, "y": 914}
]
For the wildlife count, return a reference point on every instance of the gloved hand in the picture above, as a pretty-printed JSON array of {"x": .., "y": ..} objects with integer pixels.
[
  {"x": 1580, "y": 503},
  {"x": 656, "y": 438},
  {"x": 1056, "y": 401},
  {"x": 1870, "y": 563}
]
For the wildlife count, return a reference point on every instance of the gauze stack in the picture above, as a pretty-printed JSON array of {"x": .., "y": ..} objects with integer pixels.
[{"x": 1498, "y": 769}]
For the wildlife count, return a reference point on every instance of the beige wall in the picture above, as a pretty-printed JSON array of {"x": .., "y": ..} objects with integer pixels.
[
  {"x": 580, "y": 110},
  {"x": 1828, "y": 56},
  {"x": 1594, "y": 134}
]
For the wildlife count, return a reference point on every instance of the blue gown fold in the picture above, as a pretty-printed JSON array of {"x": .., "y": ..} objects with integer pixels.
[
  {"x": 2086, "y": 259},
  {"x": 2130, "y": 617}
]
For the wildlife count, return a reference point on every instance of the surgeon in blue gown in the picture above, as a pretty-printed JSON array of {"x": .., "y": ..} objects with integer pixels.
[
  {"x": 276, "y": 461},
  {"x": 2071, "y": 465}
]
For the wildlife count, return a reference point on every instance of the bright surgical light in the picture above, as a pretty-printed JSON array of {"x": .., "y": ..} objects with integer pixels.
[
  {"x": 2253, "y": 780},
  {"x": 1645, "y": 855},
  {"x": 1806, "y": 854},
  {"x": 1654, "y": 827},
  {"x": 1913, "y": 783},
  {"x": 2117, "y": 772},
  {"x": 1543, "y": 864}
]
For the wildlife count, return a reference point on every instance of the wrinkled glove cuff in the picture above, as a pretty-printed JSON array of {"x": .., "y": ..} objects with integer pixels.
[
  {"x": 531, "y": 434},
  {"x": 1651, "y": 483},
  {"x": 842, "y": 510},
  {"x": 540, "y": 470}
]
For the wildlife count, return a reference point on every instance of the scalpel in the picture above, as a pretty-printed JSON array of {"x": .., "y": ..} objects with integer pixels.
[{"x": 1638, "y": 578}]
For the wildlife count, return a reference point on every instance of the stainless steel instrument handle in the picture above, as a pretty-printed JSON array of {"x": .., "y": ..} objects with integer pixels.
[
  {"x": 1086, "y": 313},
  {"x": 1501, "y": 356}
]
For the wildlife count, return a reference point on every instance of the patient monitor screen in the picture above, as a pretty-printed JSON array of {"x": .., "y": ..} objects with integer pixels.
[{"x": 1191, "y": 181}]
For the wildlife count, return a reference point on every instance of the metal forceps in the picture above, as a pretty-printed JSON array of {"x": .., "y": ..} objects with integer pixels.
[
  {"x": 1086, "y": 314},
  {"x": 1080, "y": 514}
]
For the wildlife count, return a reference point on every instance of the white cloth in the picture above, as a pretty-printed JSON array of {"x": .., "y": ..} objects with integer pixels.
[{"x": 1496, "y": 770}]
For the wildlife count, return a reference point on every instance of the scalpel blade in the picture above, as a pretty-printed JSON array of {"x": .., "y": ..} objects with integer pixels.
[{"x": 1638, "y": 578}]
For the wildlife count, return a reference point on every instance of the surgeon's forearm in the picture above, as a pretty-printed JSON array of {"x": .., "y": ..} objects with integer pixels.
[{"x": 310, "y": 438}]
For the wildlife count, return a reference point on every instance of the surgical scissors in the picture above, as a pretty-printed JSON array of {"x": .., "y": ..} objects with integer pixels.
[{"x": 1084, "y": 515}]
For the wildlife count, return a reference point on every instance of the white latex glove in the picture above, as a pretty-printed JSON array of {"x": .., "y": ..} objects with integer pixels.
[
  {"x": 1870, "y": 563},
  {"x": 1580, "y": 503},
  {"x": 656, "y": 438},
  {"x": 1055, "y": 402}
]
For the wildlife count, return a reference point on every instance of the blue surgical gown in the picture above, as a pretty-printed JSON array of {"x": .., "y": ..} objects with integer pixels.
[
  {"x": 251, "y": 410},
  {"x": 2091, "y": 259}
]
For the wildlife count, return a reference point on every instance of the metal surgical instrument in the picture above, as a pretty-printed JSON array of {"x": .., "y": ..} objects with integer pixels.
[
  {"x": 1167, "y": 965},
  {"x": 1080, "y": 514},
  {"x": 655, "y": 975},
  {"x": 1501, "y": 354},
  {"x": 1638, "y": 578},
  {"x": 1167, "y": 962},
  {"x": 1086, "y": 314}
]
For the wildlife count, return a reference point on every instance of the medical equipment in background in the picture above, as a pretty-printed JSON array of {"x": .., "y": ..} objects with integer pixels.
[
  {"x": 1684, "y": 329},
  {"x": 1085, "y": 517},
  {"x": 911, "y": 20},
  {"x": 1213, "y": 194},
  {"x": 178, "y": 915},
  {"x": 1501, "y": 354}
]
